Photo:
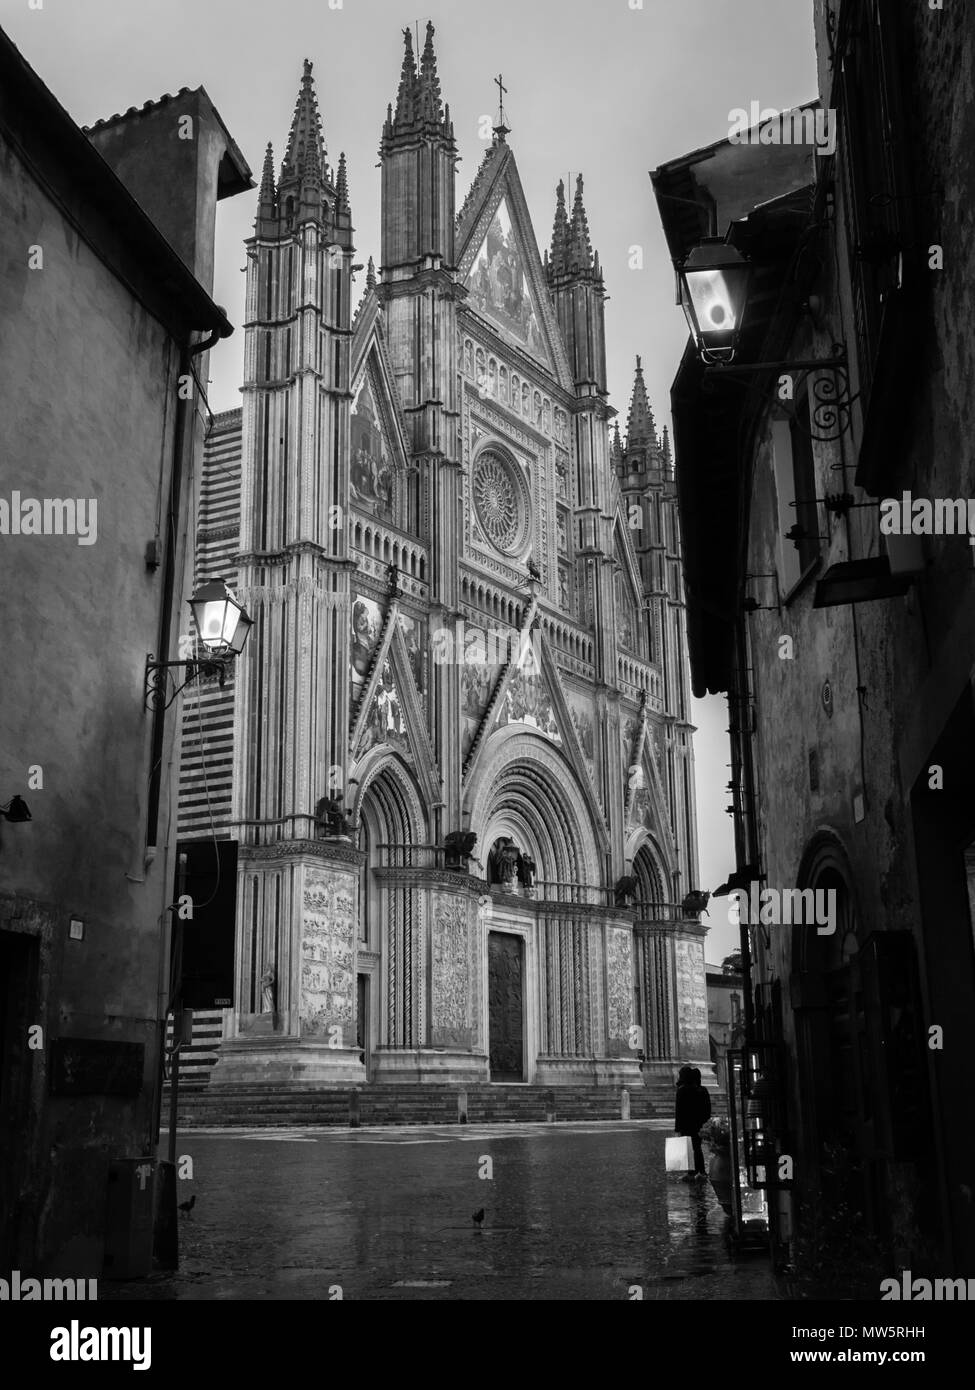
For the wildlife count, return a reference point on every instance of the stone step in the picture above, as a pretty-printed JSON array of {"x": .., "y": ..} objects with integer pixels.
[{"x": 268, "y": 1106}]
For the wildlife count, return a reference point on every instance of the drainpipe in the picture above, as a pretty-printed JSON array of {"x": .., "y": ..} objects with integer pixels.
[{"x": 747, "y": 817}]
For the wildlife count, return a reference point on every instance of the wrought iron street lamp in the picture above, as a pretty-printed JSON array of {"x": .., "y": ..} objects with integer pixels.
[
  {"x": 714, "y": 280},
  {"x": 220, "y": 620},
  {"x": 222, "y": 628}
]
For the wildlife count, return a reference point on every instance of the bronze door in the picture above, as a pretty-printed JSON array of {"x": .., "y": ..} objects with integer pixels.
[{"x": 506, "y": 1006}]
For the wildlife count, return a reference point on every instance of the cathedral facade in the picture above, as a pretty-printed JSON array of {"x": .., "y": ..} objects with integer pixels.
[{"x": 455, "y": 758}]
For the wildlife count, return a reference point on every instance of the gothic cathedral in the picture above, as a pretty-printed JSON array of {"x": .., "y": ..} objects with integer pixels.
[{"x": 455, "y": 759}]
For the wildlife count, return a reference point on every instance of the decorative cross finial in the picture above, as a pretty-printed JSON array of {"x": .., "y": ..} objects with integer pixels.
[{"x": 501, "y": 129}]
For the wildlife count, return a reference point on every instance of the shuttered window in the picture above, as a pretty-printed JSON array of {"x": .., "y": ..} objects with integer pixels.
[{"x": 874, "y": 180}]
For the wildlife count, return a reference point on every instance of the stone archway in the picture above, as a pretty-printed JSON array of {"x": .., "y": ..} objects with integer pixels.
[
  {"x": 543, "y": 954},
  {"x": 830, "y": 1029},
  {"x": 527, "y": 790},
  {"x": 393, "y": 834},
  {"x": 653, "y": 954}
]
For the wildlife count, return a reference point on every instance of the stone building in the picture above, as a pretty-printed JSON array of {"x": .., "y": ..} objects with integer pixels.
[
  {"x": 726, "y": 1019},
  {"x": 845, "y": 648},
  {"x": 105, "y": 313},
  {"x": 454, "y": 769}
]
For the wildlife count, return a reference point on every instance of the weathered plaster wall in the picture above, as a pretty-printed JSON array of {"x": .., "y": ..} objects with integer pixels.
[
  {"x": 85, "y": 385},
  {"x": 915, "y": 654}
]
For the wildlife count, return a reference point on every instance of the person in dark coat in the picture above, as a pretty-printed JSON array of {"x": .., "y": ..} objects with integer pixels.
[{"x": 693, "y": 1109}]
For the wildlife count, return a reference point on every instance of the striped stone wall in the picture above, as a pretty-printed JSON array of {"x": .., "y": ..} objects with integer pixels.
[{"x": 208, "y": 711}]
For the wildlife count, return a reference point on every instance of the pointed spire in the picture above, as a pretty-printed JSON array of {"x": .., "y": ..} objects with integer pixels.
[
  {"x": 580, "y": 247},
  {"x": 312, "y": 171},
  {"x": 407, "y": 83},
  {"x": 431, "y": 105},
  {"x": 371, "y": 274},
  {"x": 266, "y": 197},
  {"x": 305, "y": 155},
  {"x": 342, "y": 186},
  {"x": 640, "y": 429},
  {"x": 666, "y": 456},
  {"x": 560, "y": 233},
  {"x": 419, "y": 101},
  {"x": 616, "y": 448}
]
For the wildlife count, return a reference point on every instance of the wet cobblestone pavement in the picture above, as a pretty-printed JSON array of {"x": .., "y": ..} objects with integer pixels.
[{"x": 579, "y": 1212}]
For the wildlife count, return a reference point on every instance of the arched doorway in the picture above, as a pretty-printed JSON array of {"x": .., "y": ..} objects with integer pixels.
[
  {"x": 832, "y": 1040},
  {"x": 652, "y": 962},
  {"x": 540, "y": 1004},
  {"x": 392, "y": 836}
]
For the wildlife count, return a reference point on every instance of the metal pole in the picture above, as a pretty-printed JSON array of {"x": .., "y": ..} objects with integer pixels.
[{"x": 177, "y": 1006}]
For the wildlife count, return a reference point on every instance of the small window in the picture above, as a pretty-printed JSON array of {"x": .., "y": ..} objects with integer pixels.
[{"x": 795, "y": 487}]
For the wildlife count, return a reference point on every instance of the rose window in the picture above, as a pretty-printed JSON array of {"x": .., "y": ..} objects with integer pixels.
[{"x": 501, "y": 502}]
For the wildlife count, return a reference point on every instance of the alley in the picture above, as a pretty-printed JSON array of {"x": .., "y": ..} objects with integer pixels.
[{"x": 571, "y": 1212}]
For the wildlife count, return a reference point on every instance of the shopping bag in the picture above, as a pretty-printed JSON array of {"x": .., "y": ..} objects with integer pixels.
[{"x": 680, "y": 1153}]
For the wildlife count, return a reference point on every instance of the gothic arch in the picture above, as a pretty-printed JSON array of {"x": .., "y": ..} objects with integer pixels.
[
  {"x": 651, "y": 877},
  {"x": 830, "y": 1025},
  {"x": 389, "y": 811},
  {"x": 388, "y": 794},
  {"x": 527, "y": 789},
  {"x": 641, "y": 843},
  {"x": 825, "y": 865}
]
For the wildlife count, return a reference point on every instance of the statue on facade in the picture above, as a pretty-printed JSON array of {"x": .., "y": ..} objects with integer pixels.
[
  {"x": 696, "y": 901},
  {"x": 503, "y": 864},
  {"x": 625, "y": 888},
  {"x": 458, "y": 847},
  {"x": 526, "y": 872},
  {"x": 332, "y": 818},
  {"x": 267, "y": 990}
]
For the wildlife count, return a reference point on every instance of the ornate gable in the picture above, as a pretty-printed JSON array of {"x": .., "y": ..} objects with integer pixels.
[
  {"x": 502, "y": 270},
  {"x": 379, "y": 459}
]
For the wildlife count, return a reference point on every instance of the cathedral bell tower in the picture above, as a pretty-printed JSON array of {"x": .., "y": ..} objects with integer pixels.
[
  {"x": 575, "y": 281},
  {"x": 418, "y": 283},
  {"x": 419, "y": 289},
  {"x": 296, "y": 987},
  {"x": 645, "y": 470}
]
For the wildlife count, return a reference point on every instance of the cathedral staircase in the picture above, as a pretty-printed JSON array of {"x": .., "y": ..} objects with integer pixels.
[
  {"x": 431, "y": 1104},
  {"x": 255, "y": 1106}
]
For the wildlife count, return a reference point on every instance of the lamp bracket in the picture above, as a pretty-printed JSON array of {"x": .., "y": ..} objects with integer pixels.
[
  {"x": 800, "y": 364},
  {"x": 157, "y": 693},
  {"x": 830, "y": 402}
]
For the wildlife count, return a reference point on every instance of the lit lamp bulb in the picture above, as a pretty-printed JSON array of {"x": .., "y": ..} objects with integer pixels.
[
  {"x": 713, "y": 293},
  {"x": 220, "y": 620}
]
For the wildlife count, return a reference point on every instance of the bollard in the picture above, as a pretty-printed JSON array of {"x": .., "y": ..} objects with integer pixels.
[
  {"x": 354, "y": 1109},
  {"x": 624, "y": 1104}
]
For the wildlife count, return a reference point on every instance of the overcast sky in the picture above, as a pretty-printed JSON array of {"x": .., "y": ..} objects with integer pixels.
[{"x": 594, "y": 86}]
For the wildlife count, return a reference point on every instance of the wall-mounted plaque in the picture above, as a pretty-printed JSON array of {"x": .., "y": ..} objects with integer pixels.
[{"x": 96, "y": 1067}]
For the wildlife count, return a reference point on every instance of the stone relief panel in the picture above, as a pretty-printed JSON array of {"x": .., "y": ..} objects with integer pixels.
[
  {"x": 328, "y": 954},
  {"x": 450, "y": 1022},
  {"x": 692, "y": 1001},
  {"x": 619, "y": 988}
]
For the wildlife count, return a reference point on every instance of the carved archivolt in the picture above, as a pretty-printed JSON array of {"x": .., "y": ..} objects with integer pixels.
[{"x": 523, "y": 780}]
